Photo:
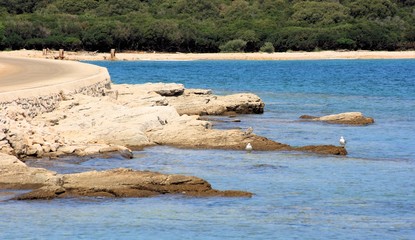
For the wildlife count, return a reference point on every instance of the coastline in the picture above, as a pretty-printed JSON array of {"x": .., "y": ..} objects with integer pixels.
[
  {"x": 118, "y": 120},
  {"x": 144, "y": 56}
]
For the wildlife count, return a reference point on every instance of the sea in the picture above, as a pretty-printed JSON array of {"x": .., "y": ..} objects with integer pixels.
[{"x": 368, "y": 194}]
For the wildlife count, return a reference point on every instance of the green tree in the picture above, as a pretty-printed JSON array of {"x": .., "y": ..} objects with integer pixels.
[
  {"x": 164, "y": 35},
  {"x": 204, "y": 8},
  {"x": 21, "y": 6},
  {"x": 98, "y": 36},
  {"x": 372, "y": 36},
  {"x": 2, "y": 37},
  {"x": 295, "y": 38},
  {"x": 237, "y": 45},
  {"x": 372, "y": 9},
  {"x": 76, "y": 6},
  {"x": 267, "y": 47},
  {"x": 323, "y": 13},
  {"x": 205, "y": 25}
]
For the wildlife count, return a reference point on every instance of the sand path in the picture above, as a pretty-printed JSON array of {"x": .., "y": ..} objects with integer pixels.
[{"x": 22, "y": 77}]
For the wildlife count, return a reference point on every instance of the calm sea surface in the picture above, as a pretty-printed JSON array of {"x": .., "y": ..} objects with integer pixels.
[{"x": 369, "y": 194}]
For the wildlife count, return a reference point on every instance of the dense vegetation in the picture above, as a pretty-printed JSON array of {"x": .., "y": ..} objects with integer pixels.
[{"x": 207, "y": 25}]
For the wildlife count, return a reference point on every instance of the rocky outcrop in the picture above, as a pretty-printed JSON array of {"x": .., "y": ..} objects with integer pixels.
[
  {"x": 351, "y": 118},
  {"x": 188, "y": 101},
  {"x": 197, "y": 102},
  {"x": 132, "y": 116},
  {"x": 14, "y": 174},
  {"x": 96, "y": 118},
  {"x": 128, "y": 116},
  {"x": 194, "y": 133}
]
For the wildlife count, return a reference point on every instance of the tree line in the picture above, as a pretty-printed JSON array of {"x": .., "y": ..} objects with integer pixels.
[{"x": 207, "y": 25}]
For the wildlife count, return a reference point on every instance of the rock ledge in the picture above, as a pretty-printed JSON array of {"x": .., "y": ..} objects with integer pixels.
[{"x": 112, "y": 183}]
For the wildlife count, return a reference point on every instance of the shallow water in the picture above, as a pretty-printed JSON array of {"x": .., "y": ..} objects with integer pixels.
[{"x": 369, "y": 194}]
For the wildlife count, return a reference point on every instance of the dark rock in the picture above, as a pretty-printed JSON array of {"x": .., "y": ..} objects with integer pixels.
[{"x": 323, "y": 149}]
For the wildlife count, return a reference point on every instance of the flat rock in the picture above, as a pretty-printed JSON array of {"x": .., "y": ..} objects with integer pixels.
[
  {"x": 103, "y": 121},
  {"x": 122, "y": 182},
  {"x": 322, "y": 149},
  {"x": 130, "y": 183},
  {"x": 351, "y": 118},
  {"x": 197, "y": 134}
]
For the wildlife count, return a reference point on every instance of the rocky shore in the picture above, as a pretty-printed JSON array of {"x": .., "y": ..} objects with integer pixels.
[
  {"x": 133, "y": 117},
  {"x": 108, "y": 118}
]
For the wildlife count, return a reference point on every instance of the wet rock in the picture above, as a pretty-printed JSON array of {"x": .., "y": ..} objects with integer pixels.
[
  {"x": 130, "y": 183},
  {"x": 351, "y": 118},
  {"x": 323, "y": 149},
  {"x": 43, "y": 193},
  {"x": 122, "y": 182},
  {"x": 202, "y": 137}
]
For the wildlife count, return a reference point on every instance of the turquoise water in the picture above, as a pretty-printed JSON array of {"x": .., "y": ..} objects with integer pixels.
[{"x": 369, "y": 194}]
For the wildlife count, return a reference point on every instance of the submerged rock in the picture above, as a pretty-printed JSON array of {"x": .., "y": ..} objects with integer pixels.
[{"x": 351, "y": 118}]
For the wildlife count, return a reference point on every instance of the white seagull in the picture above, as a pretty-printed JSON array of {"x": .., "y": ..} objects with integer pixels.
[
  {"x": 248, "y": 147},
  {"x": 342, "y": 141}
]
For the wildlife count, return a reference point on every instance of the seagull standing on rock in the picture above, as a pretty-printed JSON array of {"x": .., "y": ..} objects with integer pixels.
[
  {"x": 248, "y": 147},
  {"x": 342, "y": 141}
]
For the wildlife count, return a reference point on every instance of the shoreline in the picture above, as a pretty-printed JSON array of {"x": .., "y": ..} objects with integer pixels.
[
  {"x": 278, "y": 56},
  {"x": 118, "y": 118}
]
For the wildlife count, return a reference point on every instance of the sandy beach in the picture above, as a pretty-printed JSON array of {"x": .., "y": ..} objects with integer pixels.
[{"x": 143, "y": 56}]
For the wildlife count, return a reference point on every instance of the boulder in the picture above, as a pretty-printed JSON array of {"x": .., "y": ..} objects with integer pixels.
[
  {"x": 197, "y": 102},
  {"x": 170, "y": 90},
  {"x": 351, "y": 118}
]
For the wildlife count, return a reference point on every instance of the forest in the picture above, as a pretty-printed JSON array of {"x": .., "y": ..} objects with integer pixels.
[{"x": 208, "y": 25}]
